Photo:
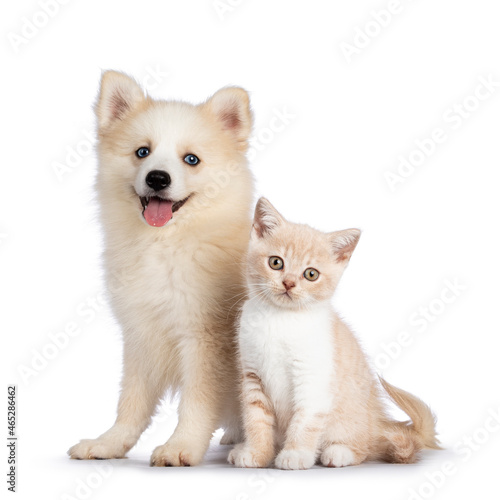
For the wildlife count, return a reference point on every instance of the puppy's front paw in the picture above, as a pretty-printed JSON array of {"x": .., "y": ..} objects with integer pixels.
[
  {"x": 295, "y": 459},
  {"x": 337, "y": 455},
  {"x": 243, "y": 455},
  {"x": 88, "y": 449},
  {"x": 176, "y": 455}
]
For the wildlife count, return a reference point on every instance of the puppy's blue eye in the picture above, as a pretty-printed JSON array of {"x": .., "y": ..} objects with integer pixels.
[
  {"x": 142, "y": 152},
  {"x": 191, "y": 159}
]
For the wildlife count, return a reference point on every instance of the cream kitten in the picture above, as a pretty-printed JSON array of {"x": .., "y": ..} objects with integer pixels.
[{"x": 307, "y": 389}]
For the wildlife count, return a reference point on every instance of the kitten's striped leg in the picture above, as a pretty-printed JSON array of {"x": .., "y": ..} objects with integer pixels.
[
  {"x": 302, "y": 441},
  {"x": 258, "y": 423}
]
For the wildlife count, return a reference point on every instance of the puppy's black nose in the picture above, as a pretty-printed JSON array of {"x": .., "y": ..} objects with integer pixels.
[{"x": 158, "y": 180}]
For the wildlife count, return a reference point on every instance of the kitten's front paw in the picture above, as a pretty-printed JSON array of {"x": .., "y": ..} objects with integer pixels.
[
  {"x": 88, "y": 449},
  {"x": 243, "y": 455},
  {"x": 295, "y": 459},
  {"x": 337, "y": 455},
  {"x": 176, "y": 455}
]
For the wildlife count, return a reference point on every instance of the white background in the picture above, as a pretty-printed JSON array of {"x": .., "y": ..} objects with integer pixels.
[{"x": 327, "y": 166}]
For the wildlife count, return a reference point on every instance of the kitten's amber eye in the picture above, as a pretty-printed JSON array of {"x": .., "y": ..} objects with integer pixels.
[
  {"x": 311, "y": 274},
  {"x": 275, "y": 263}
]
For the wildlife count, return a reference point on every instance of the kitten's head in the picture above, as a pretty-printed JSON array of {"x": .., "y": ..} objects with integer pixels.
[{"x": 293, "y": 265}]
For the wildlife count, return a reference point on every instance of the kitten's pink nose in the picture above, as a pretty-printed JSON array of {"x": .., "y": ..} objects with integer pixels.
[{"x": 288, "y": 284}]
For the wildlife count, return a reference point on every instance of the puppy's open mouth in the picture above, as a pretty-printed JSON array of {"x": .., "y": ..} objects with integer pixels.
[{"x": 158, "y": 211}]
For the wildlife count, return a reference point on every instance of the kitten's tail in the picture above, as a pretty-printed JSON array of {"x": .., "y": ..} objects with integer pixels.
[{"x": 404, "y": 440}]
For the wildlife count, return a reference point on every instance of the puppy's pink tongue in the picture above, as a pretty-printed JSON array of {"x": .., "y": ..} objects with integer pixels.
[{"x": 158, "y": 212}]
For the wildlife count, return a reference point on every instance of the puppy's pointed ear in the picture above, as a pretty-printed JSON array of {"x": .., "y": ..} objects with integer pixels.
[
  {"x": 266, "y": 219},
  {"x": 119, "y": 95},
  {"x": 230, "y": 106},
  {"x": 343, "y": 243}
]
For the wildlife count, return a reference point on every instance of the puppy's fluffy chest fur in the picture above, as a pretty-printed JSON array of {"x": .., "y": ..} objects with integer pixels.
[{"x": 172, "y": 275}]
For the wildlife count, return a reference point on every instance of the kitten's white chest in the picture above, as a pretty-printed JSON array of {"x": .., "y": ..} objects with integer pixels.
[{"x": 291, "y": 352}]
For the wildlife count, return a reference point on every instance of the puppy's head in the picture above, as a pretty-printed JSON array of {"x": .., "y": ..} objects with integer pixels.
[{"x": 162, "y": 159}]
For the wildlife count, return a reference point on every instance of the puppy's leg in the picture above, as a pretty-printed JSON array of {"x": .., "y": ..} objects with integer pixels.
[
  {"x": 141, "y": 389},
  {"x": 200, "y": 407},
  {"x": 232, "y": 423}
]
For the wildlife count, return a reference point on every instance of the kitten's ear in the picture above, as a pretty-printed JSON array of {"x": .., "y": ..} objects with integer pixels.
[
  {"x": 343, "y": 243},
  {"x": 266, "y": 218},
  {"x": 119, "y": 95},
  {"x": 231, "y": 108}
]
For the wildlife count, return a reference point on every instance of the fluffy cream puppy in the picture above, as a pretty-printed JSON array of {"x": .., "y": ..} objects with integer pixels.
[{"x": 175, "y": 195}]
